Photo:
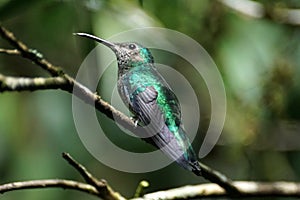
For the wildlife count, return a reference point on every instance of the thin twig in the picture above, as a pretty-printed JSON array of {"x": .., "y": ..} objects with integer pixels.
[
  {"x": 10, "y": 51},
  {"x": 49, "y": 183},
  {"x": 74, "y": 87},
  {"x": 216, "y": 177},
  {"x": 8, "y": 83},
  {"x": 140, "y": 188},
  {"x": 105, "y": 191},
  {"x": 88, "y": 177},
  {"x": 31, "y": 54},
  {"x": 92, "y": 186}
]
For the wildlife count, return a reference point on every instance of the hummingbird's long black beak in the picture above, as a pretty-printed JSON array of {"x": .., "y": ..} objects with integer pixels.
[{"x": 100, "y": 40}]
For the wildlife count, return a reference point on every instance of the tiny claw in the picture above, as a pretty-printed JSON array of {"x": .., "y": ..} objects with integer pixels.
[
  {"x": 136, "y": 123},
  {"x": 135, "y": 120}
]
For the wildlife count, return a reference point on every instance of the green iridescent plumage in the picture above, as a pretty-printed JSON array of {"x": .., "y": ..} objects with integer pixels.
[{"x": 152, "y": 101}]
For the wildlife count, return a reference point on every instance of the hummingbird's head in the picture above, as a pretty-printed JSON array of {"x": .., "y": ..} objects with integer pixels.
[{"x": 129, "y": 54}]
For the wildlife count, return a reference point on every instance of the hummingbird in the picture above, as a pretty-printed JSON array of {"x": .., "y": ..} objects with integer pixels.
[{"x": 151, "y": 101}]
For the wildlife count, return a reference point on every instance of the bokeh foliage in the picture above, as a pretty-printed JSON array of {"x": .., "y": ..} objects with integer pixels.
[{"x": 258, "y": 59}]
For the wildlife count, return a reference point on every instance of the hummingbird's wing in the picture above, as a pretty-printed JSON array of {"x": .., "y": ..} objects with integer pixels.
[
  {"x": 175, "y": 144},
  {"x": 148, "y": 111}
]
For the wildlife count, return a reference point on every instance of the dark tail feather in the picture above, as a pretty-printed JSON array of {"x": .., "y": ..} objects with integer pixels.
[
  {"x": 183, "y": 155},
  {"x": 189, "y": 159}
]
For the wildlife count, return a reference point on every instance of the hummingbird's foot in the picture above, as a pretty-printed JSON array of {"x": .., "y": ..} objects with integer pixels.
[{"x": 136, "y": 121}]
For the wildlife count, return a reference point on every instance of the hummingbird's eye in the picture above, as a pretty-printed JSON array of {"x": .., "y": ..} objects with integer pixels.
[{"x": 132, "y": 46}]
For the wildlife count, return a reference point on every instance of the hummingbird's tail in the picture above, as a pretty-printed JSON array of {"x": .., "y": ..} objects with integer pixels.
[
  {"x": 178, "y": 147},
  {"x": 189, "y": 159}
]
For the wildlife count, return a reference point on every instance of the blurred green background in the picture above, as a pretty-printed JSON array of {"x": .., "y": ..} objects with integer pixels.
[{"x": 257, "y": 55}]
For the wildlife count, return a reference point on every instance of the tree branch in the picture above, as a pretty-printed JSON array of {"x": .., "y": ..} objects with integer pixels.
[
  {"x": 93, "y": 186},
  {"x": 8, "y": 83},
  {"x": 105, "y": 191},
  {"x": 210, "y": 190},
  {"x": 10, "y": 51},
  {"x": 73, "y": 86},
  {"x": 219, "y": 178},
  {"x": 30, "y": 54},
  {"x": 49, "y": 183},
  {"x": 63, "y": 81},
  {"x": 139, "y": 190}
]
